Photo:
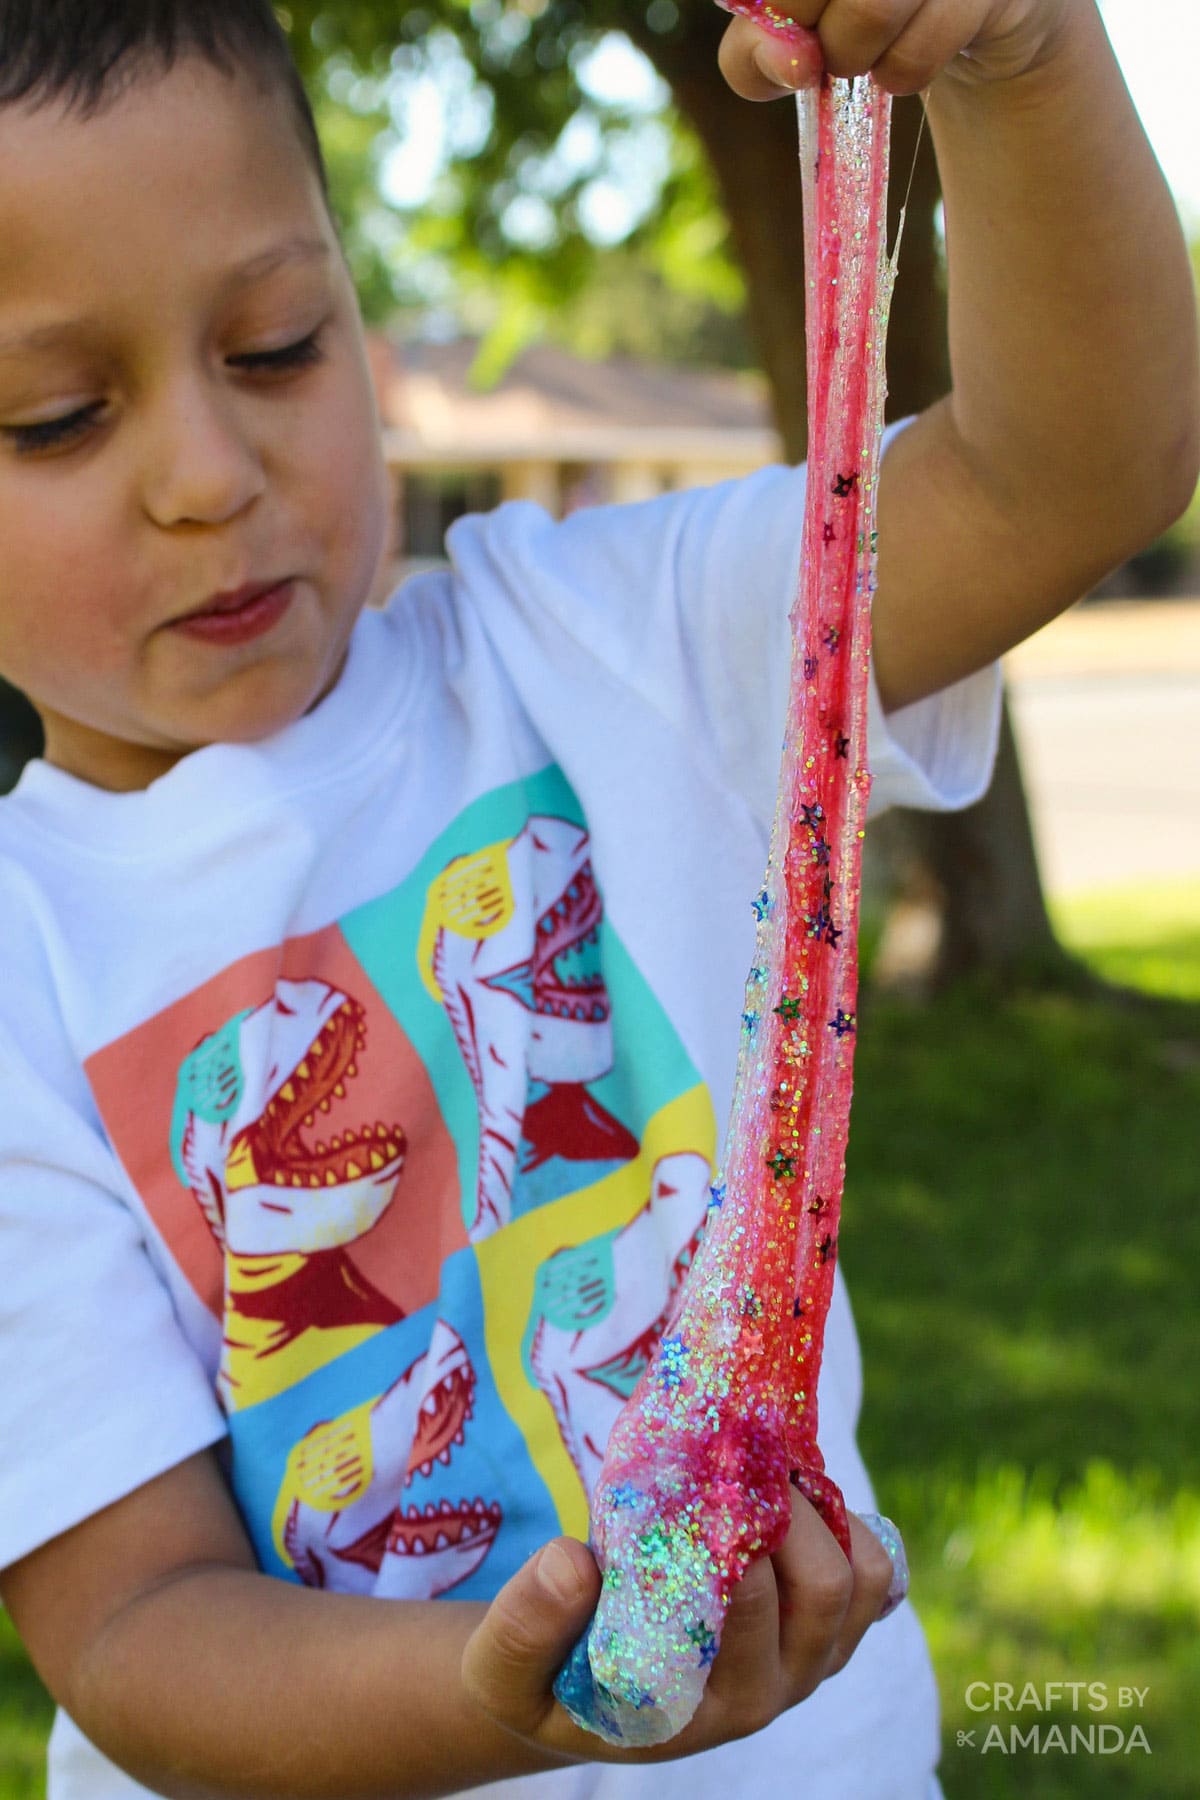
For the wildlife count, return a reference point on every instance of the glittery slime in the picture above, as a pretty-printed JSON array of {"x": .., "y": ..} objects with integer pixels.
[{"x": 700, "y": 1465}]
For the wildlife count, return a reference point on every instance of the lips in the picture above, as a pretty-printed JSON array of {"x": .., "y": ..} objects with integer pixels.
[{"x": 233, "y": 599}]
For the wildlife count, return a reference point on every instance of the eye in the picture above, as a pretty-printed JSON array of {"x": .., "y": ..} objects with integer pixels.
[
  {"x": 53, "y": 434},
  {"x": 300, "y": 355}
]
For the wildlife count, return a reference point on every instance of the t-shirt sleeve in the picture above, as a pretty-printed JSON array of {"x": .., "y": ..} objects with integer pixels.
[
  {"x": 686, "y": 599},
  {"x": 99, "y": 1389}
]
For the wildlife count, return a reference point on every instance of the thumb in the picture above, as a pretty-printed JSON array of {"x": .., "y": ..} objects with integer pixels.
[{"x": 512, "y": 1657}]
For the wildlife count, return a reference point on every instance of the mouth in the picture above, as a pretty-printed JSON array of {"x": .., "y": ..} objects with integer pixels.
[
  {"x": 568, "y": 982},
  {"x": 233, "y": 600},
  {"x": 274, "y": 1150}
]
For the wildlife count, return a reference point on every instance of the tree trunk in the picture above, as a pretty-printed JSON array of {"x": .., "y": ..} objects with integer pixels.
[{"x": 978, "y": 869}]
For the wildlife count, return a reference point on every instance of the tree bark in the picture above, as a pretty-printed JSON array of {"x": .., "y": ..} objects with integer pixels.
[{"x": 978, "y": 869}]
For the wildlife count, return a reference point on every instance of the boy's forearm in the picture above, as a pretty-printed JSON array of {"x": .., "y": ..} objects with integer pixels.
[
  {"x": 227, "y": 1683},
  {"x": 1072, "y": 424}
]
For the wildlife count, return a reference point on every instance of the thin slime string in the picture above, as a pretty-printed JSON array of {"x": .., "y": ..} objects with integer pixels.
[{"x": 697, "y": 1476}]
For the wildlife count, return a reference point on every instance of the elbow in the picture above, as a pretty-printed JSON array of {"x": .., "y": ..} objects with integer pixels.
[
  {"x": 1166, "y": 481},
  {"x": 1181, "y": 473},
  {"x": 1181, "y": 476}
]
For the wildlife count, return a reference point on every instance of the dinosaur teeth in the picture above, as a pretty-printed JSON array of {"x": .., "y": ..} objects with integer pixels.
[
  {"x": 352, "y": 1171},
  {"x": 443, "y": 1542},
  {"x": 326, "y": 1103}
]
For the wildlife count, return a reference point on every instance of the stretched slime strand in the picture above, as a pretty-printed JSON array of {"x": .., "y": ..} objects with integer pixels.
[{"x": 699, "y": 1466}]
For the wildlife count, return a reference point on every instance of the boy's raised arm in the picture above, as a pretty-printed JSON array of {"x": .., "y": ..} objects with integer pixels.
[{"x": 1072, "y": 435}]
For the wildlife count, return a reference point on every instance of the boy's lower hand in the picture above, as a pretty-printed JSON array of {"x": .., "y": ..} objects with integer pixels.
[
  {"x": 906, "y": 44},
  {"x": 794, "y": 1619}
]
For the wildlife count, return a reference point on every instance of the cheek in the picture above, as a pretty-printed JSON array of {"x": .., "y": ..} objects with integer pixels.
[
  {"x": 351, "y": 492},
  {"x": 65, "y": 591}
]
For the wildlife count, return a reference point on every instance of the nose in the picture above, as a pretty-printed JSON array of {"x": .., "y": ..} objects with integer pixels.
[{"x": 202, "y": 466}]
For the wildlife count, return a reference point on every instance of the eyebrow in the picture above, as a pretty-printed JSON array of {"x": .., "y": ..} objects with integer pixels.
[{"x": 59, "y": 331}]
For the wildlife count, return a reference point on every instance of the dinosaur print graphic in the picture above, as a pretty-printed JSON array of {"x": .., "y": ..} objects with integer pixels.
[
  {"x": 341, "y": 1519},
  {"x": 599, "y": 1309},
  {"x": 282, "y": 1204},
  {"x": 430, "y": 1174},
  {"x": 510, "y": 945}
]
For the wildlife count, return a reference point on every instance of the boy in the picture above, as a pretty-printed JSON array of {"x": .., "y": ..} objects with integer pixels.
[{"x": 364, "y": 1031}]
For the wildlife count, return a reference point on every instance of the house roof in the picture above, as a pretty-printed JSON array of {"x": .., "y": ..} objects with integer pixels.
[{"x": 552, "y": 405}]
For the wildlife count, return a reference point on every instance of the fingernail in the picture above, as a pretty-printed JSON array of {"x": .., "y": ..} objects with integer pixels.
[
  {"x": 556, "y": 1572},
  {"x": 889, "y": 1536},
  {"x": 785, "y": 72}
]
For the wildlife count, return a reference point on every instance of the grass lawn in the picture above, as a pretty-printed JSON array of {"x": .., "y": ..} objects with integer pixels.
[{"x": 1021, "y": 1240}]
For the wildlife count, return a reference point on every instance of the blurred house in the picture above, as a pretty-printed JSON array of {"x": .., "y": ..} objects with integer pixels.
[{"x": 556, "y": 429}]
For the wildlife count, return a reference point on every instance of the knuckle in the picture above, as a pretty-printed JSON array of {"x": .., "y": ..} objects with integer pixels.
[
  {"x": 903, "y": 72},
  {"x": 875, "y": 18},
  {"x": 512, "y": 1637},
  {"x": 828, "y": 1592}
]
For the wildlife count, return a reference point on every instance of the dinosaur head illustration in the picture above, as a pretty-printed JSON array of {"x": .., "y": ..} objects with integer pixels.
[
  {"x": 244, "y": 1144},
  {"x": 341, "y": 1521},
  {"x": 584, "y": 1350}
]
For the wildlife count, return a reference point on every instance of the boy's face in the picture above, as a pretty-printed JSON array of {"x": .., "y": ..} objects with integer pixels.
[{"x": 151, "y": 456}]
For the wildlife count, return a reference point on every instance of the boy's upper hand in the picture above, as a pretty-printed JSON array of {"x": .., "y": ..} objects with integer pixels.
[
  {"x": 906, "y": 44},
  {"x": 794, "y": 1619}
]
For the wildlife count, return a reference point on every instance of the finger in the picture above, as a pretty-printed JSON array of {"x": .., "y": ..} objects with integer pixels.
[
  {"x": 856, "y": 33},
  {"x": 816, "y": 1588},
  {"x": 745, "y": 1680},
  {"x": 762, "y": 66},
  {"x": 512, "y": 1657},
  {"x": 931, "y": 40},
  {"x": 872, "y": 1579}
]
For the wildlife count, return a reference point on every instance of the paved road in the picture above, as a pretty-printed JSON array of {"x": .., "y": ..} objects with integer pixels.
[{"x": 1106, "y": 705}]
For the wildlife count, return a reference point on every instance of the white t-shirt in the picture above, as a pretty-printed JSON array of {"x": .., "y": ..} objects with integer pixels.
[{"x": 360, "y": 1088}]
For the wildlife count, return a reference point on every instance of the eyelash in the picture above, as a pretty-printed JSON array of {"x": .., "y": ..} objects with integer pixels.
[{"x": 53, "y": 434}]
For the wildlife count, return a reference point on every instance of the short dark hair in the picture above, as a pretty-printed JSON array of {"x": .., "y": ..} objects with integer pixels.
[{"x": 85, "y": 53}]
